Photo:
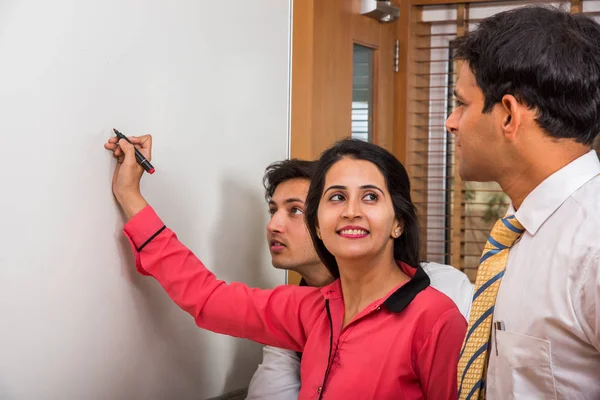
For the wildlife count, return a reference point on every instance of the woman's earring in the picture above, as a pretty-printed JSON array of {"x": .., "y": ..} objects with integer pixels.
[
  {"x": 397, "y": 233},
  {"x": 318, "y": 233}
]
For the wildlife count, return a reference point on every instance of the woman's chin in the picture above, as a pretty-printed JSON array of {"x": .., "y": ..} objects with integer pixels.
[{"x": 350, "y": 255}]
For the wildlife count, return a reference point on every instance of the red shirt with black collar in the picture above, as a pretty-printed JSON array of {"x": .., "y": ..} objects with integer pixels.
[{"x": 405, "y": 345}]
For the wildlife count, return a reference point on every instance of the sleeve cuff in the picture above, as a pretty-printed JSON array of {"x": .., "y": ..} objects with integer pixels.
[{"x": 143, "y": 227}]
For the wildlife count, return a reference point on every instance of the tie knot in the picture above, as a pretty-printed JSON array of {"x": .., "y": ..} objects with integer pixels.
[{"x": 506, "y": 231}]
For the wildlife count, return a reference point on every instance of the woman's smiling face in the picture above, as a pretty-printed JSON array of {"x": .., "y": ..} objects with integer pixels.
[{"x": 356, "y": 217}]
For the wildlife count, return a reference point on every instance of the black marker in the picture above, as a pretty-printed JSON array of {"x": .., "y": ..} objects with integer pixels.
[{"x": 138, "y": 156}]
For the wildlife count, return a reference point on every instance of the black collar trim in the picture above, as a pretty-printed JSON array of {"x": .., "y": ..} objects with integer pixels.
[{"x": 402, "y": 297}]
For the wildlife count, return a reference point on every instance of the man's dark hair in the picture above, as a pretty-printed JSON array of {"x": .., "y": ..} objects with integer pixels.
[
  {"x": 281, "y": 171},
  {"x": 545, "y": 57}
]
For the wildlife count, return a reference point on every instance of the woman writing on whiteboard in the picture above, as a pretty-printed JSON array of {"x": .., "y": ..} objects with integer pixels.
[{"x": 378, "y": 332}]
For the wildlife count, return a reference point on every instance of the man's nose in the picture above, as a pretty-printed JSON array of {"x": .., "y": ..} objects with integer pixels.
[
  {"x": 452, "y": 123},
  {"x": 275, "y": 224}
]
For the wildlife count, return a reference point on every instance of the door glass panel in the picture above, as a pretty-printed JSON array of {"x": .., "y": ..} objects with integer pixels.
[{"x": 362, "y": 93}]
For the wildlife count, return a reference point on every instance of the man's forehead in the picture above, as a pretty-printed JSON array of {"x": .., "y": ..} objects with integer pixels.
[
  {"x": 466, "y": 79},
  {"x": 291, "y": 190}
]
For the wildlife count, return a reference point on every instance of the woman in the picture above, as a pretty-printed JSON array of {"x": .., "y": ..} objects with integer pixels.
[{"x": 377, "y": 332}]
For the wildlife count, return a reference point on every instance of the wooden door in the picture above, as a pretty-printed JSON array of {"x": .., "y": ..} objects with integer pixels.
[{"x": 329, "y": 39}]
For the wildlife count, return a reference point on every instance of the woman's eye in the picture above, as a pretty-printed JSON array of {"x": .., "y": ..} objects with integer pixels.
[
  {"x": 297, "y": 211},
  {"x": 336, "y": 197},
  {"x": 371, "y": 197},
  {"x": 459, "y": 103}
]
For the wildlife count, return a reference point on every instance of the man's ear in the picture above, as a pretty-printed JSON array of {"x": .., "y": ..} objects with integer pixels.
[{"x": 510, "y": 115}]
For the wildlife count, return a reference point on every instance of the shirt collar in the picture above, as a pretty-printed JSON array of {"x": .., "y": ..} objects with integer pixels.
[
  {"x": 547, "y": 197},
  {"x": 397, "y": 300},
  {"x": 406, "y": 293}
]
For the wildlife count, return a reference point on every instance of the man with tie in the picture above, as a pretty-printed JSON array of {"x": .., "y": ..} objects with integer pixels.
[{"x": 528, "y": 111}]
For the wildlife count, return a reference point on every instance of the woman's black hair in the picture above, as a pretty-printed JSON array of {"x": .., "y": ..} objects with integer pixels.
[{"x": 406, "y": 247}]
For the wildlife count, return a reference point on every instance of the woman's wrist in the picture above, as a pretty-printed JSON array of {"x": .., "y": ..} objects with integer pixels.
[{"x": 132, "y": 203}]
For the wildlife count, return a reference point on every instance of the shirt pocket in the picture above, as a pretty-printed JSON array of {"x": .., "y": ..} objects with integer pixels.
[{"x": 524, "y": 366}]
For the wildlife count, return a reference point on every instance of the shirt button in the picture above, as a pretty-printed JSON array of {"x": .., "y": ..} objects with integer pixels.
[
  {"x": 378, "y": 308},
  {"x": 319, "y": 390}
]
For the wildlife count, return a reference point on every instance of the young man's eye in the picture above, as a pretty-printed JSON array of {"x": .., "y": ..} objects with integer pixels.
[
  {"x": 272, "y": 211},
  {"x": 371, "y": 197},
  {"x": 336, "y": 197},
  {"x": 459, "y": 103},
  {"x": 297, "y": 211}
]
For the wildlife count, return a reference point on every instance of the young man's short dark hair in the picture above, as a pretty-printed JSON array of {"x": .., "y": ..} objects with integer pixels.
[
  {"x": 546, "y": 58},
  {"x": 281, "y": 171}
]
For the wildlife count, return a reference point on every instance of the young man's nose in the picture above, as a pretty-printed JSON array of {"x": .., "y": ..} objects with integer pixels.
[{"x": 275, "y": 223}]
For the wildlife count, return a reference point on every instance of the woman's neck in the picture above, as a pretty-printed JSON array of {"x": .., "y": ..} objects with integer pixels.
[{"x": 364, "y": 281}]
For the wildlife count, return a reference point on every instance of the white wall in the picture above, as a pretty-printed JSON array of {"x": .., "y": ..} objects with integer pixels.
[{"x": 210, "y": 81}]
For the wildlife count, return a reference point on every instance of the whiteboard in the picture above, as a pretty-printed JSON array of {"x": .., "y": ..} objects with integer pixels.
[{"x": 210, "y": 80}]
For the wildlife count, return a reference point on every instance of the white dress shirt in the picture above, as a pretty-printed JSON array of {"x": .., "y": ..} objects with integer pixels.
[
  {"x": 453, "y": 284},
  {"x": 278, "y": 376},
  {"x": 549, "y": 297}
]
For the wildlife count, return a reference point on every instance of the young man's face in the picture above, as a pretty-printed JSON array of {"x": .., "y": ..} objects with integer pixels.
[{"x": 287, "y": 235}]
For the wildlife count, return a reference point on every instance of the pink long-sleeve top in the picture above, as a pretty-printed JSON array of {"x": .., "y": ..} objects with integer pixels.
[{"x": 405, "y": 345}]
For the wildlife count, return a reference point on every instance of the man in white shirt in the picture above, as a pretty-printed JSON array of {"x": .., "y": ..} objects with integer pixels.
[
  {"x": 528, "y": 110},
  {"x": 286, "y": 185}
]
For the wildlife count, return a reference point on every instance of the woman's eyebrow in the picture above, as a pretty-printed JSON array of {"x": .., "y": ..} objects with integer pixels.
[
  {"x": 341, "y": 187},
  {"x": 338, "y": 187},
  {"x": 371, "y": 187}
]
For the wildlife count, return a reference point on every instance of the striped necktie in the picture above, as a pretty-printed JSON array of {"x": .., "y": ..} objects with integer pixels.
[{"x": 474, "y": 354}]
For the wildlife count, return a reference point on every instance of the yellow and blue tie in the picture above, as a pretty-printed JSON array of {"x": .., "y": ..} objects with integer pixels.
[{"x": 474, "y": 355}]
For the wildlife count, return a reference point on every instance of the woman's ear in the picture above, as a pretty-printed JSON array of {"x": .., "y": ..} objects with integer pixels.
[{"x": 397, "y": 229}]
